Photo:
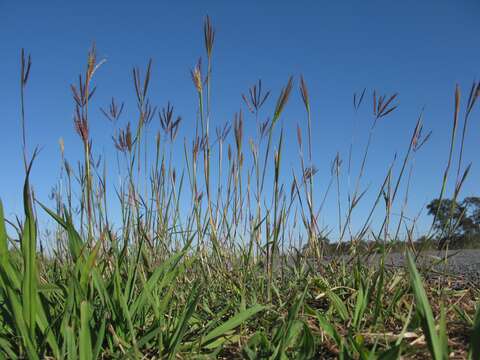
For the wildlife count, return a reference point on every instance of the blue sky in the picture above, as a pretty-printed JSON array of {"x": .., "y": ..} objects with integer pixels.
[{"x": 419, "y": 49}]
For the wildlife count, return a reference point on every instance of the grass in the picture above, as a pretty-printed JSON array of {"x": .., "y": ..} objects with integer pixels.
[{"x": 227, "y": 277}]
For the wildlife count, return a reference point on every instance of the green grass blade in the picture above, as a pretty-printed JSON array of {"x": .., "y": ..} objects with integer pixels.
[
  {"x": 70, "y": 344},
  {"x": 438, "y": 348},
  {"x": 475, "y": 336},
  {"x": 232, "y": 323},
  {"x": 29, "y": 254},
  {"x": 100, "y": 335},
  {"x": 328, "y": 328},
  {"x": 338, "y": 305},
  {"x": 6, "y": 347},
  {"x": 12, "y": 275},
  {"x": 75, "y": 242},
  {"x": 85, "y": 341},
  {"x": 183, "y": 321}
]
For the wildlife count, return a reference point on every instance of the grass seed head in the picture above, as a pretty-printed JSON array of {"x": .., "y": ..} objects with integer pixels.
[
  {"x": 114, "y": 111},
  {"x": 382, "y": 108},
  {"x": 197, "y": 76},
  {"x": 357, "y": 101},
  {"x": 26, "y": 63},
  {"x": 309, "y": 173},
  {"x": 167, "y": 122},
  {"x": 456, "y": 108},
  {"x": 299, "y": 136},
  {"x": 256, "y": 97},
  {"x": 304, "y": 93},
  {"x": 283, "y": 99},
  {"x": 123, "y": 141},
  {"x": 81, "y": 124},
  {"x": 62, "y": 146},
  {"x": 209, "y": 34},
  {"x": 238, "y": 129}
]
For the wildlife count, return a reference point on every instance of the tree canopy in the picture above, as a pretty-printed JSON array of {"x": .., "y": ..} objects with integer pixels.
[{"x": 456, "y": 221}]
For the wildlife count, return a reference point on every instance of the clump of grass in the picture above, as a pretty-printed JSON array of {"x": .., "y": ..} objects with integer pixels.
[{"x": 226, "y": 277}]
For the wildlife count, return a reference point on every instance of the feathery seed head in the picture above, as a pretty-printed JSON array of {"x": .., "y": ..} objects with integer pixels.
[{"x": 197, "y": 76}]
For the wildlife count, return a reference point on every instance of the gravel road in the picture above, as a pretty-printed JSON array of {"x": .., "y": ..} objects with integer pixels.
[{"x": 464, "y": 264}]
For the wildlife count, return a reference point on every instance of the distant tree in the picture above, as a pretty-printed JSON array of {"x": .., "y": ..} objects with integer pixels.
[
  {"x": 456, "y": 221},
  {"x": 447, "y": 215},
  {"x": 472, "y": 208}
]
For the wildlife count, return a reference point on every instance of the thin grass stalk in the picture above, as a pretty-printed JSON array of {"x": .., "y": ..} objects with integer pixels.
[{"x": 449, "y": 162}]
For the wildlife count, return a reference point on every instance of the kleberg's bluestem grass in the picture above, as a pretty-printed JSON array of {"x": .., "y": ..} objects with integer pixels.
[{"x": 215, "y": 258}]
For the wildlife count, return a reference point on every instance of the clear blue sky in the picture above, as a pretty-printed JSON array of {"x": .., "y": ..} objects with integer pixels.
[{"x": 419, "y": 49}]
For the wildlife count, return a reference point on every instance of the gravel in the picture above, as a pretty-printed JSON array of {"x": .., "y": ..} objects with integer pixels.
[{"x": 463, "y": 264}]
